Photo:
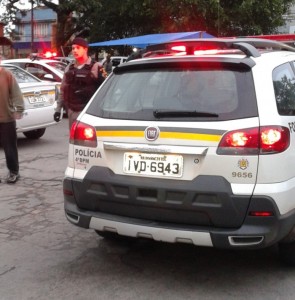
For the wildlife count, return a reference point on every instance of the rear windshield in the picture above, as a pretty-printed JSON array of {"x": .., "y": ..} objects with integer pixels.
[
  {"x": 21, "y": 76},
  {"x": 176, "y": 93}
]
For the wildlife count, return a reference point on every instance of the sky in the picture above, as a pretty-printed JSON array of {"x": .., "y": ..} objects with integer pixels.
[{"x": 23, "y": 4}]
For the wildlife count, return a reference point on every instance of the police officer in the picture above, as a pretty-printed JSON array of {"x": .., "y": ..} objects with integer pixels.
[{"x": 80, "y": 81}]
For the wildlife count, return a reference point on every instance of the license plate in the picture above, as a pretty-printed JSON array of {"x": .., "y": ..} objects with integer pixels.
[
  {"x": 166, "y": 165},
  {"x": 36, "y": 99}
]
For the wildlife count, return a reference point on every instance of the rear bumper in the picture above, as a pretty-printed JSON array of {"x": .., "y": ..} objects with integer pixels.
[
  {"x": 203, "y": 201},
  {"x": 35, "y": 127},
  {"x": 250, "y": 233},
  {"x": 35, "y": 119},
  {"x": 250, "y": 236}
]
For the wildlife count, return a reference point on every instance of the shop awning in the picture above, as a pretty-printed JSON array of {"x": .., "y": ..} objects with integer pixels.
[{"x": 151, "y": 39}]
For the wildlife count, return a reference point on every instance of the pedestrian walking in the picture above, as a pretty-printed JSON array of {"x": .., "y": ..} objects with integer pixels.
[
  {"x": 80, "y": 81},
  {"x": 11, "y": 109}
]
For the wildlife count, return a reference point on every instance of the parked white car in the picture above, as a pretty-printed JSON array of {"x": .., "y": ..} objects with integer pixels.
[
  {"x": 65, "y": 59},
  {"x": 40, "y": 103},
  {"x": 45, "y": 69},
  {"x": 51, "y": 70},
  {"x": 116, "y": 60}
]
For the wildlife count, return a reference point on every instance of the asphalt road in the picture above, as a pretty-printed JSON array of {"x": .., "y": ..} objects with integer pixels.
[{"x": 43, "y": 256}]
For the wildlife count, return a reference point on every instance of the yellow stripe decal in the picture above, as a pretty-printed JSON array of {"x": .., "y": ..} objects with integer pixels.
[
  {"x": 163, "y": 135},
  {"x": 120, "y": 133},
  {"x": 43, "y": 93},
  {"x": 190, "y": 136}
]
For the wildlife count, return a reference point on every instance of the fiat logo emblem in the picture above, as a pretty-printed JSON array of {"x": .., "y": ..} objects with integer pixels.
[{"x": 151, "y": 133}]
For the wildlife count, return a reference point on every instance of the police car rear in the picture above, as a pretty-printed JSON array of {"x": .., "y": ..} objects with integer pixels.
[{"x": 182, "y": 146}]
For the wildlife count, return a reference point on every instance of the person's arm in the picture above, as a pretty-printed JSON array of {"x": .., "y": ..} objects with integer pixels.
[
  {"x": 17, "y": 98},
  {"x": 99, "y": 72},
  {"x": 59, "y": 98},
  {"x": 60, "y": 101}
]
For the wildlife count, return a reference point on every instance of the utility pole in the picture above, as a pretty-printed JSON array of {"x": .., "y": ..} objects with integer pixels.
[
  {"x": 218, "y": 13},
  {"x": 32, "y": 26}
]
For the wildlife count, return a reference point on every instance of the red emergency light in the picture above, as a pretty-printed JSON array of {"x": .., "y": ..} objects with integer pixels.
[{"x": 49, "y": 54}]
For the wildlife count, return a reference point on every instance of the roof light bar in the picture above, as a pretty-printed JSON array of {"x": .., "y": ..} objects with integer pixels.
[{"x": 180, "y": 48}]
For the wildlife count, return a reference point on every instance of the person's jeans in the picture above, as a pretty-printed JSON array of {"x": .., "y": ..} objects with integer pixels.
[{"x": 8, "y": 138}]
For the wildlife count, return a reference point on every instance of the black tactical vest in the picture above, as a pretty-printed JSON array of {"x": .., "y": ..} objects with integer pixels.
[{"x": 79, "y": 86}]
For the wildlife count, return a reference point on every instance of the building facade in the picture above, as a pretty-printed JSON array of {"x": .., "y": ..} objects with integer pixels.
[
  {"x": 37, "y": 38},
  {"x": 289, "y": 27}
]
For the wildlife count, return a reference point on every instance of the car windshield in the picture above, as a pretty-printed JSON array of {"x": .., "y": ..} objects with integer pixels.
[
  {"x": 21, "y": 76},
  {"x": 221, "y": 93}
]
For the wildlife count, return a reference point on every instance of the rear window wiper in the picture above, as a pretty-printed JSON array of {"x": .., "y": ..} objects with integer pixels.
[{"x": 182, "y": 113}]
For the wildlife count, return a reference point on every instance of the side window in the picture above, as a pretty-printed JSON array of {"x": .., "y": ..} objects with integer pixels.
[
  {"x": 35, "y": 70},
  {"x": 284, "y": 87},
  {"x": 116, "y": 62}
]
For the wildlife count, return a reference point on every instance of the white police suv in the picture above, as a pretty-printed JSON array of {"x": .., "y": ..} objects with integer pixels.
[{"x": 193, "y": 144}]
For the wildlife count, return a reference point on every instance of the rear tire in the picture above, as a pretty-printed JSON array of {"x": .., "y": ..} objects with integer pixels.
[
  {"x": 287, "y": 253},
  {"x": 34, "y": 134}
]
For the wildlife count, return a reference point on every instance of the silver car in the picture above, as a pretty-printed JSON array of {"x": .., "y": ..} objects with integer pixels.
[{"x": 40, "y": 102}]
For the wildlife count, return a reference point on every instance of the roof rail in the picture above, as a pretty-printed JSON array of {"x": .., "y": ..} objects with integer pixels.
[{"x": 249, "y": 46}]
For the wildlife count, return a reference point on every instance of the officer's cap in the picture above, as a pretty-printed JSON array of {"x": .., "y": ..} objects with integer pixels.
[{"x": 80, "y": 41}]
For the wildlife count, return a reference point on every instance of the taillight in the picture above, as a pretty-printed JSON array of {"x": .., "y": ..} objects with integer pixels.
[
  {"x": 83, "y": 134},
  {"x": 261, "y": 213},
  {"x": 253, "y": 141}
]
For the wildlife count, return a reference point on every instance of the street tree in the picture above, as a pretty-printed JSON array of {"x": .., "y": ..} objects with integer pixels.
[
  {"x": 100, "y": 20},
  {"x": 114, "y": 19},
  {"x": 253, "y": 17}
]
